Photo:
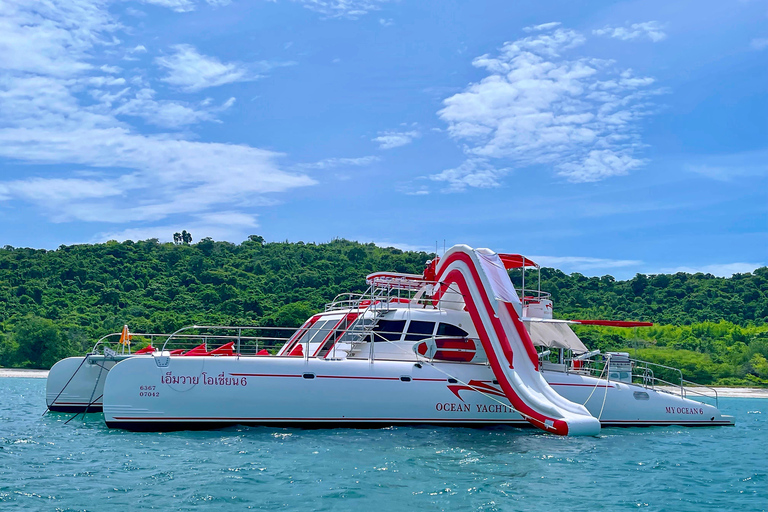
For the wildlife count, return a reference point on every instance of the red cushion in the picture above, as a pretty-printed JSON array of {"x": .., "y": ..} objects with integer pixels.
[
  {"x": 224, "y": 350},
  {"x": 197, "y": 351}
]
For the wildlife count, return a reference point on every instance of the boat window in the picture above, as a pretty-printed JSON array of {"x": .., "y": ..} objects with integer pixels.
[
  {"x": 340, "y": 329},
  {"x": 389, "y": 330},
  {"x": 418, "y": 330},
  {"x": 450, "y": 330},
  {"x": 318, "y": 331},
  {"x": 325, "y": 330}
]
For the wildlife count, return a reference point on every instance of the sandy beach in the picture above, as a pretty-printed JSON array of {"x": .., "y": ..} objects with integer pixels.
[
  {"x": 721, "y": 392},
  {"x": 21, "y": 372}
]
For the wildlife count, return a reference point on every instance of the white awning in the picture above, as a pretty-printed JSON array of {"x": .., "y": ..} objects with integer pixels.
[{"x": 554, "y": 335}]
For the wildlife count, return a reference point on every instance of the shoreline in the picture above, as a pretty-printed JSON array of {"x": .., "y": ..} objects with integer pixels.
[
  {"x": 722, "y": 392},
  {"x": 24, "y": 372}
]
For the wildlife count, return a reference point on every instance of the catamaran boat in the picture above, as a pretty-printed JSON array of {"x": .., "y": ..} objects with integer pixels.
[{"x": 455, "y": 346}]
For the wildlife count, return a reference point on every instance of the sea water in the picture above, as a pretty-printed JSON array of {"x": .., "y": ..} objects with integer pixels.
[{"x": 48, "y": 464}]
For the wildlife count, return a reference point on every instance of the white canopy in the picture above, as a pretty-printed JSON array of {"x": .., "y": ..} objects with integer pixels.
[{"x": 554, "y": 335}]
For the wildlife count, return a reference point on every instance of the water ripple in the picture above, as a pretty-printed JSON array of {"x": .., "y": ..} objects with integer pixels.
[{"x": 46, "y": 464}]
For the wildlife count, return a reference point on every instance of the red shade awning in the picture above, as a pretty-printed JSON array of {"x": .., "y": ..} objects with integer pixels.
[{"x": 516, "y": 261}]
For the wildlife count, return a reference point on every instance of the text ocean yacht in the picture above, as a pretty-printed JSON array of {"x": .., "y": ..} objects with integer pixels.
[{"x": 455, "y": 346}]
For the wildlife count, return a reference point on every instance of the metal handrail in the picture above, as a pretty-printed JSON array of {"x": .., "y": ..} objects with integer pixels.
[
  {"x": 649, "y": 379},
  {"x": 689, "y": 390},
  {"x": 533, "y": 294}
]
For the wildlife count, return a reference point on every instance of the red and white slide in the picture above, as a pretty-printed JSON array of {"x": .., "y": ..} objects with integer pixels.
[{"x": 495, "y": 308}]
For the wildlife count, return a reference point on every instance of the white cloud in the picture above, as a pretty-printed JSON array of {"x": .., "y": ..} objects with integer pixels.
[
  {"x": 536, "y": 107},
  {"x": 600, "y": 164},
  {"x": 168, "y": 176},
  {"x": 386, "y": 22},
  {"x": 594, "y": 266},
  {"x": 176, "y": 5},
  {"x": 728, "y": 167},
  {"x": 169, "y": 114},
  {"x": 543, "y": 26},
  {"x": 39, "y": 37},
  {"x": 228, "y": 225},
  {"x": 404, "y": 246},
  {"x": 652, "y": 30},
  {"x": 582, "y": 263},
  {"x": 759, "y": 43},
  {"x": 389, "y": 140},
  {"x": 474, "y": 173},
  {"x": 58, "y": 190},
  {"x": 229, "y": 218},
  {"x": 192, "y": 71},
  {"x": 331, "y": 163},
  {"x": 717, "y": 269},
  {"x": 140, "y": 178},
  {"x": 342, "y": 8}
]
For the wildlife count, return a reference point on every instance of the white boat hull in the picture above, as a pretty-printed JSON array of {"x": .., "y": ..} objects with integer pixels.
[
  {"x": 77, "y": 383},
  {"x": 206, "y": 392}
]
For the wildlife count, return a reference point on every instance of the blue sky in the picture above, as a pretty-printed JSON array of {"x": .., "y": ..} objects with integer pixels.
[{"x": 603, "y": 138}]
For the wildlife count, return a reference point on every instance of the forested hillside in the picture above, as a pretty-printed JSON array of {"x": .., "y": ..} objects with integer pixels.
[{"x": 53, "y": 303}]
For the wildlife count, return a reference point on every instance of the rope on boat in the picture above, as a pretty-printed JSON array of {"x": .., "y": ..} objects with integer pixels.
[
  {"x": 597, "y": 384},
  {"x": 605, "y": 395},
  {"x": 47, "y": 407},
  {"x": 91, "y": 401},
  {"x": 606, "y": 392},
  {"x": 86, "y": 408}
]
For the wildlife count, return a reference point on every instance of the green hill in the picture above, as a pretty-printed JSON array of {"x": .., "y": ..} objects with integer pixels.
[{"x": 55, "y": 303}]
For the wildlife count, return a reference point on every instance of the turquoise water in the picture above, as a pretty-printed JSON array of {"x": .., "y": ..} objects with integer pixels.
[{"x": 47, "y": 465}]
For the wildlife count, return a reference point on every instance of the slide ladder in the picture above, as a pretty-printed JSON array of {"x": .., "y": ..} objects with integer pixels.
[{"x": 492, "y": 302}]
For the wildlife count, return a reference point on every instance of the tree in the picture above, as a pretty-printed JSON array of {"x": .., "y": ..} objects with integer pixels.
[
  {"x": 40, "y": 343},
  {"x": 153, "y": 287},
  {"x": 185, "y": 237}
]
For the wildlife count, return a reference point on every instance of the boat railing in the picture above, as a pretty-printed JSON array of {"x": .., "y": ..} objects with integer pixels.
[
  {"x": 359, "y": 339},
  {"x": 246, "y": 340},
  {"x": 345, "y": 301},
  {"x": 647, "y": 374},
  {"x": 385, "y": 295},
  {"x": 111, "y": 342},
  {"x": 533, "y": 296},
  {"x": 105, "y": 341},
  {"x": 680, "y": 385},
  {"x": 267, "y": 338},
  {"x": 375, "y": 298}
]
